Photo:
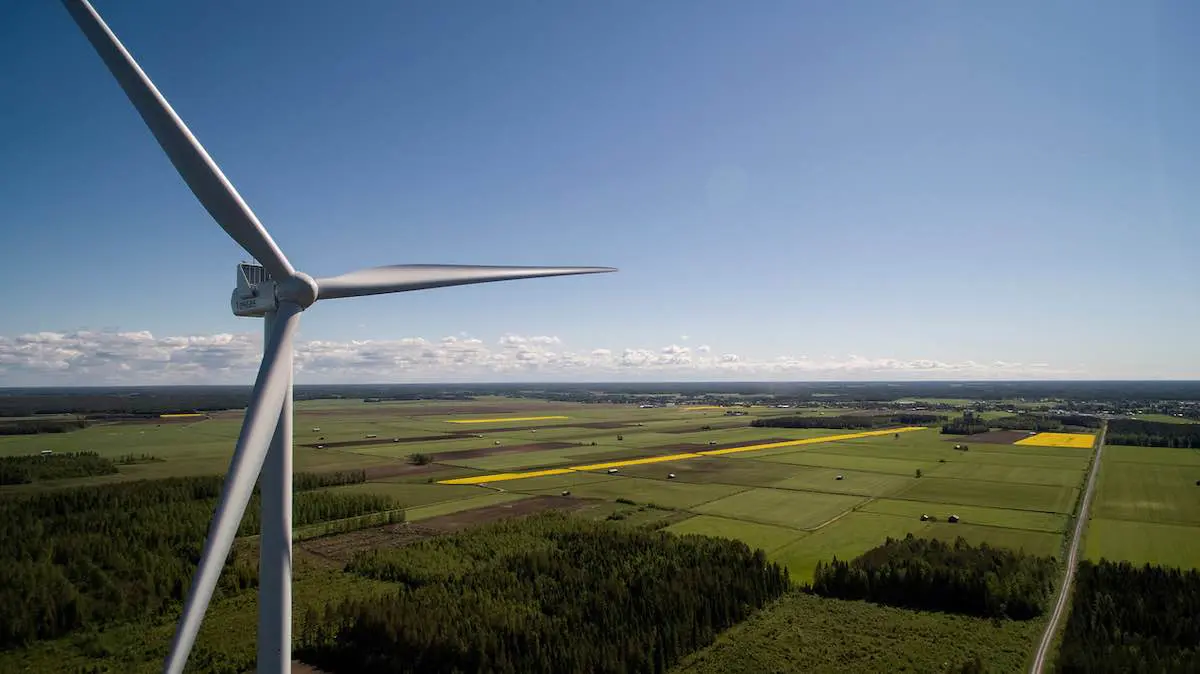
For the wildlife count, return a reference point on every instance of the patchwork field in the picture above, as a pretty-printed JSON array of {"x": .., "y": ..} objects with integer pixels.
[
  {"x": 693, "y": 470},
  {"x": 1147, "y": 507}
]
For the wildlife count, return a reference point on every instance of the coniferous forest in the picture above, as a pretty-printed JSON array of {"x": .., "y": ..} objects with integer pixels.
[
  {"x": 1152, "y": 433},
  {"x": 547, "y": 593},
  {"x": 88, "y": 555},
  {"x": 1126, "y": 618},
  {"x": 33, "y": 468},
  {"x": 935, "y": 575}
]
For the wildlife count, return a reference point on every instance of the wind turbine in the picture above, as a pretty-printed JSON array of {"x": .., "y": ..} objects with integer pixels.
[{"x": 277, "y": 292}]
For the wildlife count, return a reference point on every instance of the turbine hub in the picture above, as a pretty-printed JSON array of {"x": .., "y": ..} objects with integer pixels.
[{"x": 300, "y": 288}]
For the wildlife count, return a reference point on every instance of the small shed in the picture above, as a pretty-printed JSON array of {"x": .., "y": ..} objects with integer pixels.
[
  {"x": 841, "y": 477},
  {"x": 496, "y": 442},
  {"x": 924, "y": 518},
  {"x": 47, "y": 452},
  {"x": 320, "y": 446},
  {"x": 671, "y": 476},
  {"x": 612, "y": 470},
  {"x": 316, "y": 429},
  {"x": 566, "y": 492},
  {"x": 952, "y": 519},
  {"x": 712, "y": 442},
  {"x": 369, "y": 437},
  {"x": 395, "y": 439}
]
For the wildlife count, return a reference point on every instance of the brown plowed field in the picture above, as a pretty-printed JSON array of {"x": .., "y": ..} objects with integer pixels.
[
  {"x": 992, "y": 437},
  {"x": 386, "y": 441}
]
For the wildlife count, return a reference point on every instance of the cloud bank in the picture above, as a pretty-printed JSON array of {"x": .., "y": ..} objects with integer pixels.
[{"x": 89, "y": 358}]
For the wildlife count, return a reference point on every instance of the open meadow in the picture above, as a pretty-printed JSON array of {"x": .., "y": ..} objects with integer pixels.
[{"x": 1147, "y": 507}]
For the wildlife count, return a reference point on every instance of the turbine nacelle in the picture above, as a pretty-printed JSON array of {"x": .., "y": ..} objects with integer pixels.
[{"x": 257, "y": 294}]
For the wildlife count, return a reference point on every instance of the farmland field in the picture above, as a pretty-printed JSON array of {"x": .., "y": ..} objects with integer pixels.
[
  {"x": 773, "y": 488},
  {"x": 1147, "y": 507},
  {"x": 727, "y": 473},
  {"x": 803, "y": 633},
  {"x": 994, "y": 494}
]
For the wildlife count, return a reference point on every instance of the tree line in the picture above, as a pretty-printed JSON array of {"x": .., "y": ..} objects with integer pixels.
[
  {"x": 849, "y": 421},
  {"x": 1045, "y": 423},
  {"x": 549, "y": 593},
  {"x": 957, "y": 577},
  {"x": 36, "y": 426},
  {"x": 1126, "y": 618},
  {"x": 85, "y": 556},
  {"x": 28, "y": 468},
  {"x": 1152, "y": 433}
]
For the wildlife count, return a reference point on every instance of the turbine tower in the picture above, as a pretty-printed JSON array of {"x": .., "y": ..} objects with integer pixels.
[{"x": 277, "y": 292}]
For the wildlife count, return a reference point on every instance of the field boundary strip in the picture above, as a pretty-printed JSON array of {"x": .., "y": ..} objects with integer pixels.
[
  {"x": 499, "y": 419},
  {"x": 501, "y": 477}
]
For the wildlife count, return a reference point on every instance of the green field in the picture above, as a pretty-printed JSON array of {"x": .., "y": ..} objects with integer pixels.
[
  {"x": 765, "y": 536},
  {"x": 993, "y": 494},
  {"x": 795, "y": 509},
  {"x": 846, "y": 538},
  {"x": 1147, "y": 507},
  {"x": 1143, "y": 542},
  {"x": 803, "y": 633},
  {"x": 992, "y": 517},
  {"x": 1145, "y": 492}
]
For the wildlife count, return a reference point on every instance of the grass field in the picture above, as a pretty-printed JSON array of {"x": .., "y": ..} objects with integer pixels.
[
  {"x": 1147, "y": 507},
  {"x": 765, "y": 536},
  {"x": 993, "y": 494},
  {"x": 803, "y": 633}
]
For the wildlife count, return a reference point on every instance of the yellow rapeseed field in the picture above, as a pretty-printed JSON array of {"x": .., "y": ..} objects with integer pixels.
[
  {"x": 492, "y": 421},
  {"x": 1076, "y": 440},
  {"x": 501, "y": 477}
]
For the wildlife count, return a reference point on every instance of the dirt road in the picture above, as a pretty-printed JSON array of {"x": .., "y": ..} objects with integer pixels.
[{"x": 1039, "y": 660}]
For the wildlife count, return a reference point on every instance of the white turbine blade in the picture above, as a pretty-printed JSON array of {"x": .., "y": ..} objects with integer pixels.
[
  {"x": 270, "y": 392},
  {"x": 196, "y": 168},
  {"x": 404, "y": 277}
]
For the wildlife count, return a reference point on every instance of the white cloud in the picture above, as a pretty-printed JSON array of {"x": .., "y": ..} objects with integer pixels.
[{"x": 113, "y": 358}]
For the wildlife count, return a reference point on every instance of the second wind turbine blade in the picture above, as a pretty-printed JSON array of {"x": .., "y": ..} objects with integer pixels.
[{"x": 405, "y": 277}]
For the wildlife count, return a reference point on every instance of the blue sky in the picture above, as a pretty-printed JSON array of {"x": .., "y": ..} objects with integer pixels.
[{"x": 863, "y": 190}]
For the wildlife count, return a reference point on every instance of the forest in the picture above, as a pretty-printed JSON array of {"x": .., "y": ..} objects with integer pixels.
[
  {"x": 965, "y": 425},
  {"x": 35, "y": 426},
  {"x": 1043, "y": 423},
  {"x": 1152, "y": 434},
  {"x": 1126, "y": 618},
  {"x": 934, "y": 575},
  {"x": 28, "y": 468},
  {"x": 549, "y": 593},
  {"x": 847, "y": 421},
  {"x": 88, "y": 555}
]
